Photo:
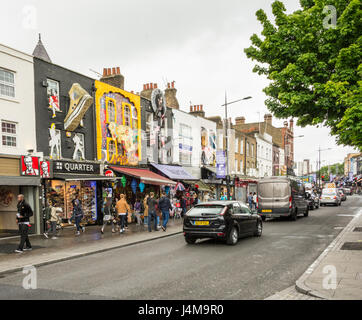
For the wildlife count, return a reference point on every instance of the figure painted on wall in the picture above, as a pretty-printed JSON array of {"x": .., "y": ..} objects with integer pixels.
[
  {"x": 80, "y": 101},
  {"x": 78, "y": 140},
  {"x": 54, "y": 142},
  {"x": 208, "y": 147}
]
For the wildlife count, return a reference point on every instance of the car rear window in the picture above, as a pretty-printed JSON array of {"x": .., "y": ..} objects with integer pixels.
[{"x": 212, "y": 209}]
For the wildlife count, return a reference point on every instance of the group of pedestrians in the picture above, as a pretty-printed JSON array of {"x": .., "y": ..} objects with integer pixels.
[{"x": 252, "y": 199}]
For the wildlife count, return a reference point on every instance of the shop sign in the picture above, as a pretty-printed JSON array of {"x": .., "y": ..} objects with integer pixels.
[
  {"x": 76, "y": 167},
  {"x": 29, "y": 166},
  {"x": 220, "y": 165},
  {"x": 109, "y": 173},
  {"x": 45, "y": 169}
]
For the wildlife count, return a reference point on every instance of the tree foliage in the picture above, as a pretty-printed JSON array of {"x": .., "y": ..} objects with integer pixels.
[
  {"x": 314, "y": 70},
  {"x": 335, "y": 169}
]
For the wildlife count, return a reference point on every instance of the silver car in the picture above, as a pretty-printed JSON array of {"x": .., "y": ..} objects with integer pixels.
[{"x": 330, "y": 196}]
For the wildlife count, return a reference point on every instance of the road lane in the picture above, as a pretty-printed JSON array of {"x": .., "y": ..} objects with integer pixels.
[{"x": 169, "y": 269}]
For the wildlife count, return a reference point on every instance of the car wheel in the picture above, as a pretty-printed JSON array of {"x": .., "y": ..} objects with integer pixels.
[
  {"x": 306, "y": 213},
  {"x": 259, "y": 229},
  {"x": 190, "y": 240},
  {"x": 233, "y": 236}
]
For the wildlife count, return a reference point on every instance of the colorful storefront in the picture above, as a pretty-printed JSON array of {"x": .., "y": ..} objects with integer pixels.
[{"x": 118, "y": 118}]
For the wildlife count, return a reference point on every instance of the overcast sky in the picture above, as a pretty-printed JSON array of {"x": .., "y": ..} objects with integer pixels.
[{"x": 198, "y": 44}]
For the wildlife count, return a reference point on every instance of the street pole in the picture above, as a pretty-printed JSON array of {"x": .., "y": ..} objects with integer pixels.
[{"x": 226, "y": 150}]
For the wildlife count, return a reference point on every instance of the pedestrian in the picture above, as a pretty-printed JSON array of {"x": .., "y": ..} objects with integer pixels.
[
  {"x": 152, "y": 205},
  {"x": 108, "y": 215},
  {"x": 145, "y": 210},
  {"x": 165, "y": 206},
  {"x": 52, "y": 220},
  {"x": 254, "y": 200},
  {"x": 250, "y": 200},
  {"x": 23, "y": 221},
  {"x": 183, "y": 206},
  {"x": 78, "y": 214},
  {"x": 196, "y": 200},
  {"x": 122, "y": 209},
  {"x": 138, "y": 211},
  {"x": 223, "y": 197}
]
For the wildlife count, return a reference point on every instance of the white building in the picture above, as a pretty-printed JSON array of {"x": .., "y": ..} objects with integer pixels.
[
  {"x": 17, "y": 110},
  {"x": 264, "y": 154}
]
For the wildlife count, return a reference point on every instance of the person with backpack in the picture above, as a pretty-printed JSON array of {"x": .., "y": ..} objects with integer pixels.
[
  {"x": 77, "y": 213},
  {"x": 164, "y": 205},
  {"x": 23, "y": 220},
  {"x": 138, "y": 211},
  {"x": 52, "y": 219}
]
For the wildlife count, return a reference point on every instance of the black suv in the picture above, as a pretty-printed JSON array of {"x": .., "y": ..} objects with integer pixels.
[{"x": 227, "y": 220}]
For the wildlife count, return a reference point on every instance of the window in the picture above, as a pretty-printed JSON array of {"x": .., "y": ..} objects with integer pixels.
[
  {"x": 8, "y": 131},
  {"x": 7, "y": 83},
  {"x": 236, "y": 165},
  {"x": 111, "y": 150},
  {"x": 252, "y": 150},
  {"x": 134, "y": 118},
  {"x": 127, "y": 116},
  {"x": 241, "y": 166},
  {"x": 236, "y": 208},
  {"x": 149, "y": 120},
  {"x": 111, "y": 111},
  {"x": 53, "y": 95},
  {"x": 185, "y": 145},
  {"x": 247, "y": 149}
]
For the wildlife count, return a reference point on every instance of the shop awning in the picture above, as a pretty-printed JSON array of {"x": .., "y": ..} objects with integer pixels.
[
  {"x": 19, "y": 181},
  {"x": 202, "y": 186},
  {"x": 79, "y": 177},
  {"x": 146, "y": 176},
  {"x": 173, "y": 172}
]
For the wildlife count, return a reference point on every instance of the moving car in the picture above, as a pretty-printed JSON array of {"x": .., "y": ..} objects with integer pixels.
[
  {"x": 342, "y": 195},
  {"x": 330, "y": 196},
  {"x": 347, "y": 191},
  {"x": 226, "y": 220},
  {"x": 281, "y": 197}
]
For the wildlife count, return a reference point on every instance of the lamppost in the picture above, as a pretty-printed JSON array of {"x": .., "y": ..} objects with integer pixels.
[
  {"x": 285, "y": 151},
  {"x": 226, "y": 141},
  {"x": 319, "y": 166}
]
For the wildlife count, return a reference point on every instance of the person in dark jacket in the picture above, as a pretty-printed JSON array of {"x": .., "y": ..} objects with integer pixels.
[
  {"x": 152, "y": 203},
  {"x": 183, "y": 206},
  {"x": 23, "y": 220},
  {"x": 165, "y": 206},
  {"x": 78, "y": 213},
  {"x": 108, "y": 215}
]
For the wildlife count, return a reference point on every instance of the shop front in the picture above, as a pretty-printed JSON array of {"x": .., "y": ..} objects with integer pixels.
[
  {"x": 83, "y": 178},
  {"x": 15, "y": 179},
  {"x": 243, "y": 187}
]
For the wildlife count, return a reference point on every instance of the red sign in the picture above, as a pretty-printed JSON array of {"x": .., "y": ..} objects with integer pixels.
[
  {"x": 29, "y": 166},
  {"x": 109, "y": 173},
  {"x": 45, "y": 169}
]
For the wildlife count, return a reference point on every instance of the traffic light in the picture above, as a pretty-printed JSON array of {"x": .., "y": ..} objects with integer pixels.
[{"x": 322, "y": 177}]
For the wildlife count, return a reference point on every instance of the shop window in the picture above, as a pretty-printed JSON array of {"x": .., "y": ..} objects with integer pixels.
[
  {"x": 7, "y": 83},
  {"x": 127, "y": 116},
  {"x": 53, "y": 95},
  {"x": 111, "y": 111},
  {"x": 8, "y": 131}
]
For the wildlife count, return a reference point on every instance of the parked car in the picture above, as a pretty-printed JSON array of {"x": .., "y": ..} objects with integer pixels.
[
  {"x": 226, "y": 220},
  {"x": 347, "y": 191},
  {"x": 330, "y": 196},
  {"x": 281, "y": 197},
  {"x": 313, "y": 200},
  {"x": 342, "y": 195}
]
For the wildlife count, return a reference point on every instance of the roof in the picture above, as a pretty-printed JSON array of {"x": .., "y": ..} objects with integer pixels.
[
  {"x": 40, "y": 52},
  {"x": 173, "y": 172}
]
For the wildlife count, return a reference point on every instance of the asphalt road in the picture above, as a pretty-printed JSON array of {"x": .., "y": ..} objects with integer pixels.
[{"x": 169, "y": 269}]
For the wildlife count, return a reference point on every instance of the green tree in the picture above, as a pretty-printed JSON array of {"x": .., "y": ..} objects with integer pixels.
[
  {"x": 314, "y": 66},
  {"x": 335, "y": 169}
]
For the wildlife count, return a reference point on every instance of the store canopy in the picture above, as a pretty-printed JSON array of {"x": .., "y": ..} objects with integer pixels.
[
  {"x": 146, "y": 176},
  {"x": 81, "y": 177},
  {"x": 201, "y": 185},
  {"x": 173, "y": 172},
  {"x": 19, "y": 181}
]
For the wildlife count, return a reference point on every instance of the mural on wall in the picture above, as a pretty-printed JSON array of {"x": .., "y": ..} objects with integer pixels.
[
  {"x": 8, "y": 199},
  {"x": 45, "y": 169},
  {"x": 78, "y": 140},
  {"x": 118, "y": 125},
  {"x": 53, "y": 96},
  {"x": 208, "y": 147},
  {"x": 54, "y": 142},
  {"x": 29, "y": 166},
  {"x": 80, "y": 101}
]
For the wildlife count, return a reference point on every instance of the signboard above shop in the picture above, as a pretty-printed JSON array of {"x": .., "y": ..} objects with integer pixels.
[{"x": 60, "y": 166}]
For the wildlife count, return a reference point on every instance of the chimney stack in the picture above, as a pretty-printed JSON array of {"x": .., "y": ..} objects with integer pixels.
[
  {"x": 291, "y": 122},
  {"x": 239, "y": 120},
  {"x": 268, "y": 118},
  {"x": 197, "y": 110},
  {"x": 113, "y": 77},
  {"x": 170, "y": 96}
]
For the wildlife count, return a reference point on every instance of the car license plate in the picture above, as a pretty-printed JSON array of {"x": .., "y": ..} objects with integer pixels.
[
  {"x": 266, "y": 210},
  {"x": 327, "y": 197},
  {"x": 201, "y": 223}
]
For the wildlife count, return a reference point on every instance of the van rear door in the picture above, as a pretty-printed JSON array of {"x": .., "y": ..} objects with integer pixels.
[
  {"x": 265, "y": 197},
  {"x": 281, "y": 195}
]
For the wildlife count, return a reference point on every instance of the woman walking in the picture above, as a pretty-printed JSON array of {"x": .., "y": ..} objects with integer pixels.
[
  {"x": 145, "y": 210},
  {"x": 53, "y": 219},
  {"x": 108, "y": 215},
  {"x": 122, "y": 208}
]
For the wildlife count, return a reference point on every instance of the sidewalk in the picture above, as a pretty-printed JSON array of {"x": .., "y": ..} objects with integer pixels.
[
  {"x": 68, "y": 246},
  {"x": 344, "y": 255}
]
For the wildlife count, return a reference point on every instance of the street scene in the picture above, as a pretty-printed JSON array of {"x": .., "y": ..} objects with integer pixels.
[{"x": 158, "y": 166}]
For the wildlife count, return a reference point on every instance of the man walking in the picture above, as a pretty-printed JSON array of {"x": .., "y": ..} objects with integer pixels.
[
  {"x": 250, "y": 200},
  {"x": 78, "y": 213},
  {"x": 122, "y": 209},
  {"x": 152, "y": 202},
  {"x": 165, "y": 206},
  {"x": 23, "y": 220}
]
